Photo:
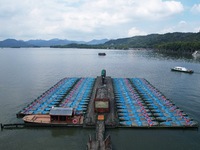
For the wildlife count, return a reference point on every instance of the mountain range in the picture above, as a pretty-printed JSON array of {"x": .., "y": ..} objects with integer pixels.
[
  {"x": 152, "y": 40},
  {"x": 176, "y": 42},
  {"x": 46, "y": 43}
]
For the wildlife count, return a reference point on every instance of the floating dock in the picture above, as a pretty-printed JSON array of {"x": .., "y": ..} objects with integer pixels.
[
  {"x": 140, "y": 104},
  {"x": 68, "y": 92},
  {"x": 133, "y": 102}
]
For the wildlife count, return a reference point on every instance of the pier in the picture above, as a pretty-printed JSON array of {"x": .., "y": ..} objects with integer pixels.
[
  {"x": 91, "y": 115},
  {"x": 99, "y": 142}
]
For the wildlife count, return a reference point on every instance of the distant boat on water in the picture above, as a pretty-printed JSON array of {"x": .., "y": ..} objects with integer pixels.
[
  {"x": 102, "y": 54},
  {"x": 196, "y": 54},
  {"x": 182, "y": 69}
]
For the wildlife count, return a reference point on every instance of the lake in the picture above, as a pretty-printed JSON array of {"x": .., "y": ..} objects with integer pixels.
[{"x": 25, "y": 73}]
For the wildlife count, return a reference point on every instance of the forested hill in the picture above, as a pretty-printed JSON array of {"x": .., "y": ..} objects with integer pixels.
[{"x": 169, "y": 41}]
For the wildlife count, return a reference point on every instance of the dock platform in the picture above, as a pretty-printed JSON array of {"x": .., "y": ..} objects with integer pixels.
[
  {"x": 111, "y": 117},
  {"x": 134, "y": 103},
  {"x": 99, "y": 142}
]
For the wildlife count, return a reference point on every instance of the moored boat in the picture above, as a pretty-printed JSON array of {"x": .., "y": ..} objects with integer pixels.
[
  {"x": 56, "y": 117},
  {"x": 102, "y": 54},
  {"x": 182, "y": 69}
]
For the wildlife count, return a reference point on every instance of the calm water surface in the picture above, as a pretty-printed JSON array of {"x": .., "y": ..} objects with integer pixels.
[{"x": 27, "y": 73}]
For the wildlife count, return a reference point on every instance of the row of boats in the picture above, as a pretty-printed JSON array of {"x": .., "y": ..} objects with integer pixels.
[
  {"x": 68, "y": 92},
  {"x": 79, "y": 96},
  {"x": 139, "y": 104}
]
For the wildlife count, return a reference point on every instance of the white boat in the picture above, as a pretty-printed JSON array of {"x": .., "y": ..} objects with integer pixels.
[
  {"x": 196, "y": 54},
  {"x": 182, "y": 69}
]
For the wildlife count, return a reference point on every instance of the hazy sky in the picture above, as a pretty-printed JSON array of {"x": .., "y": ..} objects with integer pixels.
[{"x": 95, "y": 19}]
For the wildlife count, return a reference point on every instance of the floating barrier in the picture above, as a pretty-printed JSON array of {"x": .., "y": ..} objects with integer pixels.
[{"x": 139, "y": 104}]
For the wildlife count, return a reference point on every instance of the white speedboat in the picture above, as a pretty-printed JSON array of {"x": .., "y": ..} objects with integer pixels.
[{"x": 182, "y": 69}]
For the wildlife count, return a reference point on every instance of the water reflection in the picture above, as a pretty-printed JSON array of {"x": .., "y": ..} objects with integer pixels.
[
  {"x": 153, "y": 54},
  {"x": 174, "y": 56},
  {"x": 63, "y": 132}
]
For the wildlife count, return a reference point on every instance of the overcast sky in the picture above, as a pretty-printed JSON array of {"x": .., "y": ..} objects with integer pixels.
[{"x": 95, "y": 19}]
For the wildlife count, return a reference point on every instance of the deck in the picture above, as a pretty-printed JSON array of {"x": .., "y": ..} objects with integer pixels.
[
  {"x": 110, "y": 118},
  {"x": 99, "y": 142}
]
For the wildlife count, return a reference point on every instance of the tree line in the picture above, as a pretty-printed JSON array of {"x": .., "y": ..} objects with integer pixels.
[{"x": 172, "y": 42}]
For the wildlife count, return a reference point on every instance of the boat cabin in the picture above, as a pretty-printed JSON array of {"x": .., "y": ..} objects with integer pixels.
[{"x": 61, "y": 114}]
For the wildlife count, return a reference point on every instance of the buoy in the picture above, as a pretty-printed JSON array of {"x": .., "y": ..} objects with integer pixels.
[{"x": 74, "y": 121}]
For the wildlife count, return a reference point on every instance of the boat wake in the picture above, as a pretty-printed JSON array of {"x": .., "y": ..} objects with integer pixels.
[{"x": 196, "y": 72}]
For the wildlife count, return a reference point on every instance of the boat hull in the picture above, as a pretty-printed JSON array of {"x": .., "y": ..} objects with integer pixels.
[
  {"x": 44, "y": 120},
  {"x": 188, "y": 71}
]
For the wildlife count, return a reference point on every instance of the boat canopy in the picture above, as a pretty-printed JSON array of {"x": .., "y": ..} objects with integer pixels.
[
  {"x": 57, "y": 111},
  {"x": 180, "y": 68}
]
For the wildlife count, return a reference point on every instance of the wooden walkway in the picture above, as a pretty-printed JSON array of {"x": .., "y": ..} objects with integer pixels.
[
  {"x": 111, "y": 117},
  {"x": 99, "y": 143}
]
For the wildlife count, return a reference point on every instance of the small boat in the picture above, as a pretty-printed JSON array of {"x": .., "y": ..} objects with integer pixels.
[
  {"x": 102, "y": 54},
  {"x": 182, "y": 69},
  {"x": 57, "y": 117},
  {"x": 196, "y": 54}
]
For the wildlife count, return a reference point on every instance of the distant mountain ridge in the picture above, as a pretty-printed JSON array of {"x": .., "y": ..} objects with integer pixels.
[
  {"x": 170, "y": 42},
  {"x": 152, "y": 40},
  {"x": 176, "y": 42},
  {"x": 14, "y": 43},
  {"x": 46, "y": 43}
]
